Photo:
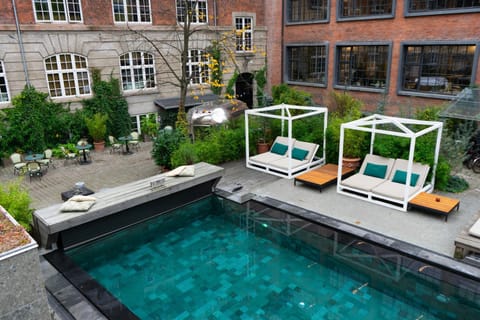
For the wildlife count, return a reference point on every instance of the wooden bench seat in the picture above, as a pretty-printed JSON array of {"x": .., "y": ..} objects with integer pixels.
[{"x": 50, "y": 222}]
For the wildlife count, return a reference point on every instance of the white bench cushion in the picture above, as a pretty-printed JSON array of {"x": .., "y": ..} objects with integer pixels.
[{"x": 475, "y": 229}]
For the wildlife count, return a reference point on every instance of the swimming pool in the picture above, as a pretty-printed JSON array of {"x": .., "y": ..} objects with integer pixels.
[{"x": 215, "y": 259}]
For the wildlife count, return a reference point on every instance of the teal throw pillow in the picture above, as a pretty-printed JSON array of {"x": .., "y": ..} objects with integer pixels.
[
  {"x": 279, "y": 148},
  {"x": 400, "y": 176},
  {"x": 299, "y": 154},
  {"x": 376, "y": 170}
]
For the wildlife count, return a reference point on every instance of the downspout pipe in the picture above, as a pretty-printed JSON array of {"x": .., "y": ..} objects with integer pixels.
[{"x": 20, "y": 43}]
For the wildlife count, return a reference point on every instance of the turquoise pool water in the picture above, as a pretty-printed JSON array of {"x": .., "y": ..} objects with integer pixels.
[{"x": 218, "y": 260}]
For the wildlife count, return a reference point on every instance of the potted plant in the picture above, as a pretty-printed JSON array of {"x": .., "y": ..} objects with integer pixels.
[
  {"x": 262, "y": 135},
  {"x": 97, "y": 128},
  {"x": 149, "y": 127},
  {"x": 346, "y": 109}
]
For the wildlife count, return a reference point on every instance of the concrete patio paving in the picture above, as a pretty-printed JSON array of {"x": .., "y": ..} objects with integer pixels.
[{"x": 108, "y": 170}]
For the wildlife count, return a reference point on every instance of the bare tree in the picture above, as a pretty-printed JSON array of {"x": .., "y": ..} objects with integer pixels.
[{"x": 174, "y": 50}]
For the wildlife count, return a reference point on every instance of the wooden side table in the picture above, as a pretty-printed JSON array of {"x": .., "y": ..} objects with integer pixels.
[
  {"x": 435, "y": 203},
  {"x": 322, "y": 176}
]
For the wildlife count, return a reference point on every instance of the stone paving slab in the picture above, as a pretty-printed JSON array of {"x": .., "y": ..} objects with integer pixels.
[{"x": 106, "y": 170}]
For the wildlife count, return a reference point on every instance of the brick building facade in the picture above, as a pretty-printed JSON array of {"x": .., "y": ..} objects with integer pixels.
[
  {"x": 58, "y": 43},
  {"x": 397, "y": 53}
]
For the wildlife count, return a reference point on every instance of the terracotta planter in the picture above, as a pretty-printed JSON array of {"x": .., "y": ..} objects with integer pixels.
[
  {"x": 353, "y": 163},
  {"x": 99, "y": 146},
  {"x": 262, "y": 147}
]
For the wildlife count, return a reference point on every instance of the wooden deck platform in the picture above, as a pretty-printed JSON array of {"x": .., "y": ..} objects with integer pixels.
[
  {"x": 323, "y": 176},
  {"x": 50, "y": 222}
]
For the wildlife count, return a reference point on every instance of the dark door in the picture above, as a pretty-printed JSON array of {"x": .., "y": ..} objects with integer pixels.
[{"x": 244, "y": 88}]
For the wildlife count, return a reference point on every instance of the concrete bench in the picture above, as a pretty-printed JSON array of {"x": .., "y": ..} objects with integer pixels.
[{"x": 123, "y": 205}]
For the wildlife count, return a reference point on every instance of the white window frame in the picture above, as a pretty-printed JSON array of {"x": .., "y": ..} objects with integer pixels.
[
  {"x": 66, "y": 5},
  {"x": 241, "y": 35},
  {"x": 133, "y": 69},
  {"x": 137, "y": 120},
  {"x": 3, "y": 75},
  {"x": 138, "y": 12},
  {"x": 195, "y": 17},
  {"x": 201, "y": 66},
  {"x": 63, "y": 73}
]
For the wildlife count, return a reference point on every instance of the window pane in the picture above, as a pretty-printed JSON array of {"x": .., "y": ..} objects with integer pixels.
[
  {"x": 118, "y": 11},
  {"x": 444, "y": 69},
  {"x": 307, "y": 10},
  {"x": 69, "y": 77},
  {"x": 361, "y": 8},
  {"x": 54, "y": 86},
  {"x": 307, "y": 64},
  {"x": 51, "y": 63},
  {"x": 195, "y": 10},
  {"x": 58, "y": 10},
  {"x": 131, "y": 10},
  {"x": 362, "y": 66},
  {"x": 428, "y": 5},
  {"x": 74, "y": 11},
  {"x": 196, "y": 67},
  {"x": 140, "y": 66},
  {"x": 243, "y": 34},
  {"x": 41, "y": 9},
  {"x": 3, "y": 85}
]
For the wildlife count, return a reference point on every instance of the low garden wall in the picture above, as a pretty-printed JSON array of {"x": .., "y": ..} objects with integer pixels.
[{"x": 22, "y": 286}]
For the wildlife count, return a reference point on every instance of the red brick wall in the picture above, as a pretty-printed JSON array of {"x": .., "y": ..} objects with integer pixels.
[
  {"x": 453, "y": 27},
  {"x": 100, "y": 13}
]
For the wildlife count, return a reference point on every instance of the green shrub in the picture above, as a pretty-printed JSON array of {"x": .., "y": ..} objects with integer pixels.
[
  {"x": 34, "y": 123},
  {"x": 442, "y": 175},
  {"x": 355, "y": 143},
  {"x": 165, "y": 144},
  {"x": 217, "y": 145},
  {"x": 456, "y": 184},
  {"x": 283, "y": 93},
  {"x": 16, "y": 200},
  {"x": 184, "y": 155}
]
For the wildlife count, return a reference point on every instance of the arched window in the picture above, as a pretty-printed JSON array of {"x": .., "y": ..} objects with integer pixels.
[
  {"x": 67, "y": 75},
  {"x": 138, "y": 70}
]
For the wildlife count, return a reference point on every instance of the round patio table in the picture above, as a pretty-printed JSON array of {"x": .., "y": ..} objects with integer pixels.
[
  {"x": 33, "y": 157},
  {"x": 84, "y": 147},
  {"x": 125, "y": 140}
]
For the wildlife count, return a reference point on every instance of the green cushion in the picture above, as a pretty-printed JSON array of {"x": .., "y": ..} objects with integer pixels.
[
  {"x": 376, "y": 170},
  {"x": 299, "y": 154},
  {"x": 400, "y": 176},
  {"x": 279, "y": 148}
]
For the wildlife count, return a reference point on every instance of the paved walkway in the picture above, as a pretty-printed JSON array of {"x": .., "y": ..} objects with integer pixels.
[
  {"x": 109, "y": 170},
  {"x": 105, "y": 171}
]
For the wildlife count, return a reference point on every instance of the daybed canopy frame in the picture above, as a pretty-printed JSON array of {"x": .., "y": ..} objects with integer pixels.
[
  {"x": 285, "y": 116},
  {"x": 371, "y": 124}
]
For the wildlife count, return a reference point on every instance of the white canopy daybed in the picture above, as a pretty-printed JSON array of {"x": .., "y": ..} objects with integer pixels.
[
  {"x": 388, "y": 189},
  {"x": 284, "y": 165}
]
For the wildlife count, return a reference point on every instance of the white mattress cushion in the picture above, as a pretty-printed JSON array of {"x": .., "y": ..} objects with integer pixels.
[
  {"x": 362, "y": 182},
  {"x": 394, "y": 190},
  {"x": 266, "y": 158},
  {"x": 284, "y": 163},
  {"x": 475, "y": 229}
]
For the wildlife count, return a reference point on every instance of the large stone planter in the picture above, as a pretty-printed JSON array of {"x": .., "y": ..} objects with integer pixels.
[{"x": 21, "y": 283}]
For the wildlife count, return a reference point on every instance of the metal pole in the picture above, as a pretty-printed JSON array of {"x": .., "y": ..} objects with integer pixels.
[{"x": 20, "y": 43}]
